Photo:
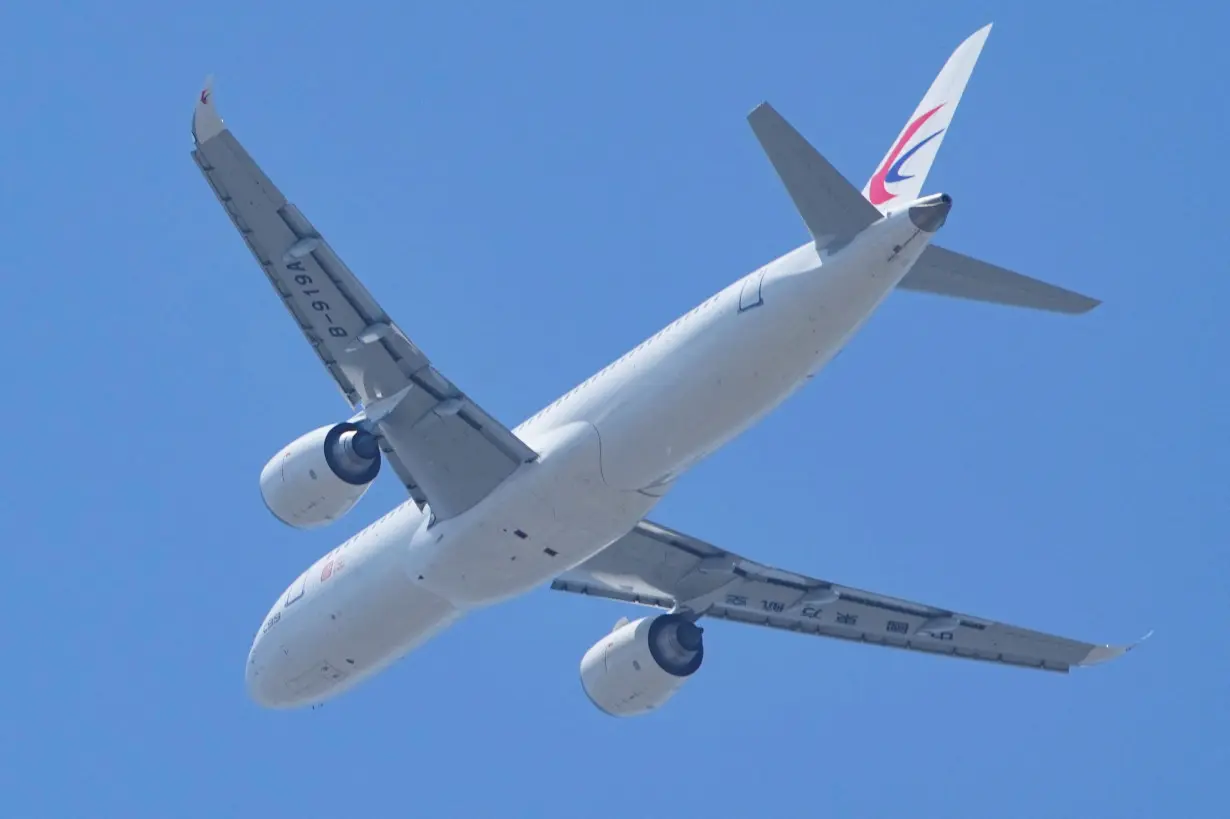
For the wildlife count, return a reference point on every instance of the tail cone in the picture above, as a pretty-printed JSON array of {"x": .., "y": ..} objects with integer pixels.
[{"x": 930, "y": 213}]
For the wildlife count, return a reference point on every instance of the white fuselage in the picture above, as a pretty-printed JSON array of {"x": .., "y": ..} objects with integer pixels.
[{"x": 610, "y": 449}]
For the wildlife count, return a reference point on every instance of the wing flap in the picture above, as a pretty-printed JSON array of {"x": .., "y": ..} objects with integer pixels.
[{"x": 658, "y": 567}]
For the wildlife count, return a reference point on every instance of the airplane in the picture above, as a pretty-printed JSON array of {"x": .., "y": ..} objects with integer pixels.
[{"x": 563, "y": 498}]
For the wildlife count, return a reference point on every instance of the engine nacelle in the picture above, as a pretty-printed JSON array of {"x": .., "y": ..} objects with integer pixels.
[
  {"x": 320, "y": 476},
  {"x": 640, "y": 665}
]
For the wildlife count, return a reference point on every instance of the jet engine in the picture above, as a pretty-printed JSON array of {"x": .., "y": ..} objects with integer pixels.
[
  {"x": 641, "y": 664},
  {"x": 321, "y": 475}
]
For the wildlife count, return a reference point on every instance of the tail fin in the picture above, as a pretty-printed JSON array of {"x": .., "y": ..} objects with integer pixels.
[{"x": 901, "y": 174}]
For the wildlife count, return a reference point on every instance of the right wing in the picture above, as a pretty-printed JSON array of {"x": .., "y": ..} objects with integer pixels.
[
  {"x": 659, "y": 567},
  {"x": 948, "y": 273},
  {"x": 447, "y": 451}
]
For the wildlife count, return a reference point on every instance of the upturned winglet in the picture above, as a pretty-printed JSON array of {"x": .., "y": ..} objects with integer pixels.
[
  {"x": 206, "y": 124},
  {"x": 1102, "y": 654}
]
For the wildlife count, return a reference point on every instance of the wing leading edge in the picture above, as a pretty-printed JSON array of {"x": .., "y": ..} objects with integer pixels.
[
  {"x": 447, "y": 451},
  {"x": 659, "y": 567}
]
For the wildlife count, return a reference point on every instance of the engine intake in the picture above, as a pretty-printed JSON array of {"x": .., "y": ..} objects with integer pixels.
[
  {"x": 320, "y": 476},
  {"x": 640, "y": 665}
]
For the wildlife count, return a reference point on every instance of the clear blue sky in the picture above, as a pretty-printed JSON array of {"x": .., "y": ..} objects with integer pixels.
[{"x": 530, "y": 192}]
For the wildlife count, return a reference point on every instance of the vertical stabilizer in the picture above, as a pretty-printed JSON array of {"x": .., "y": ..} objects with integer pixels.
[{"x": 900, "y": 176}]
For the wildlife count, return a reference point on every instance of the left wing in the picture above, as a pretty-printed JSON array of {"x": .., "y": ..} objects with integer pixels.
[
  {"x": 655, "y": 566},
  {"x": 447, "y": 451}
]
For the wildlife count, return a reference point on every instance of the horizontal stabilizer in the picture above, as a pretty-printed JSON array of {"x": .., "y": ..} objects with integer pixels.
[
  {"x": 830, "y": 206},
  {"x": 948, "y": 273}
]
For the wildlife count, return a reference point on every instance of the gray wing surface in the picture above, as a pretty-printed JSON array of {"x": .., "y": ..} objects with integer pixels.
[
  {"x": 658, "y": 567},
  {"x": 447, "y": 451}
]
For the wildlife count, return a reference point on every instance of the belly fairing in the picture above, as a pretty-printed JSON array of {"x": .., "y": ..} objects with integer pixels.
[{"x": 548, "y": 517}]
